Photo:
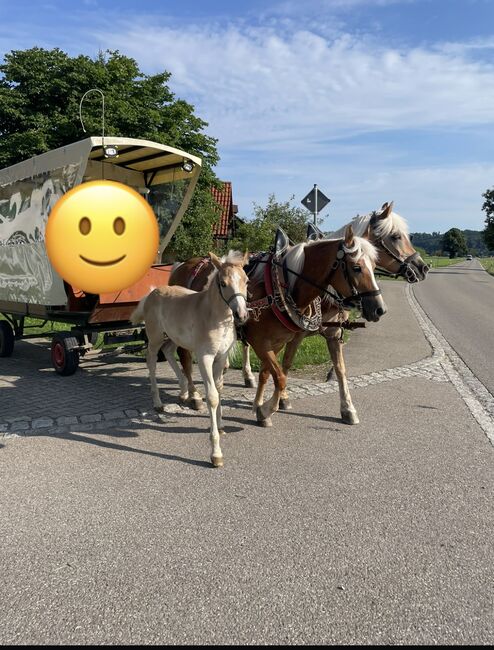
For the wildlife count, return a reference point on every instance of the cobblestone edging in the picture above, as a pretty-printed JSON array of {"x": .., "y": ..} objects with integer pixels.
[
  {"x": 478, "y": 399},
  {"x": 444, "y": 365}
]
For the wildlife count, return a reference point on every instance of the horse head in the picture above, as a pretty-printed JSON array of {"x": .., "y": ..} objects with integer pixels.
[
  {"x": 358, "y": 259},
  {"x": 232, "y": 282},
  {"x": 389, "y": 233}
]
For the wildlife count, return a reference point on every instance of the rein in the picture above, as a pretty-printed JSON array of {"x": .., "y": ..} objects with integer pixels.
[
  {"x": 341, "y": 301},
  {"x": 405, "y": 271}
]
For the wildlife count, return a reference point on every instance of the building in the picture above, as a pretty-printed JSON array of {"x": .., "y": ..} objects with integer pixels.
[{"x": 225, "y": 228}]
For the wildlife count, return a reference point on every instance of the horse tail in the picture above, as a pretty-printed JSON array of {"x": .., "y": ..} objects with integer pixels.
[{"x": 137, "y": 315}]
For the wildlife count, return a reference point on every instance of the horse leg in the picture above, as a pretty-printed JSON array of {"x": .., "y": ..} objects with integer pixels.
[
  {"x": 249, "y": 379},
  {"x": 264, "y": 411},
  {"x": 192, "y": 397},
  {"x": 169, "y": 350},
  {"x": 288, "y": 357},
  {"x": 218, "y": 371},
  {"x": 263, "y": 379},
  {"x": 335, "y": 347},
  {"x": 205, "y": 364},
  {"x": 151, "y": 360}
]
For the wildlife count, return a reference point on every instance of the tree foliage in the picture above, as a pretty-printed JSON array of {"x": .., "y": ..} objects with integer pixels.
[
  {"x": 454, "y": 242},
  {"x": 40, "y": 92},
  {"x": 488, "y": 208},
  {"x": 258, "y": 234}
]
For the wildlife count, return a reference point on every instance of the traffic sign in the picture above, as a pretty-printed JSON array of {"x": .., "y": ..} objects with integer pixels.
[{"x": 315, "y": 201}]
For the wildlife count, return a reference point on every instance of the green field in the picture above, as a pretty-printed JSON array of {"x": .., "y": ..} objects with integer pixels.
[
  {"x": 488, "y": 264},
  {"x": 435, "y": 261},
  {"x": 313, "y": 351}
]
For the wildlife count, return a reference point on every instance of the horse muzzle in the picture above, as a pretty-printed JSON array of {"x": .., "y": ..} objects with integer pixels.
[{"x": 373, "y": 308}]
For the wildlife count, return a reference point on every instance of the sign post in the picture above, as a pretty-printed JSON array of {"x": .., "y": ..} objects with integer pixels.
[{"x": 315, "y": 201}]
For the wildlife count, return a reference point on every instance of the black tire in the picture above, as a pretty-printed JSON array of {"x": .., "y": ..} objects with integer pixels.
[
  {"x": 6, "y": 339},
  {"x": 64, "y": 358}
]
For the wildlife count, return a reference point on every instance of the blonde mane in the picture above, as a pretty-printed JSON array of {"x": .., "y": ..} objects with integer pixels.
[
  {"x": 394, "y": 224},
  {"x": 295, "y": 257}
]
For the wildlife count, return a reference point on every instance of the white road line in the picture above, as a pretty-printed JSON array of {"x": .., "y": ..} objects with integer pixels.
[{"x": 478, "y": 399}]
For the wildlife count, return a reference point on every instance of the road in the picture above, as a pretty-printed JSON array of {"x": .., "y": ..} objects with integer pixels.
[
  {"x": 459, "y": 300},
  {"x": 117, "y": 531}
]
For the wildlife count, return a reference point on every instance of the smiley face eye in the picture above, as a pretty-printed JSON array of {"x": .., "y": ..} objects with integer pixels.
[
  {"x": 85, "y": 226},
  {"x": 119, "y": 226}
]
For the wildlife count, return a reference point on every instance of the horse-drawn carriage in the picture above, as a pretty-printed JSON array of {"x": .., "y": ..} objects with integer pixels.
[{"x": 30, "y": 286}]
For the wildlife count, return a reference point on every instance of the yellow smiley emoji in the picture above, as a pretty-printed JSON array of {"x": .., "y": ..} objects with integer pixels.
[{"x": 102, "y": 236}]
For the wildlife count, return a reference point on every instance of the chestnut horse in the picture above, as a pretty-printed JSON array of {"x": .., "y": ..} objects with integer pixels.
[
  {"x": 339, "y": 268},
  {"x": 396, "y": 256}
]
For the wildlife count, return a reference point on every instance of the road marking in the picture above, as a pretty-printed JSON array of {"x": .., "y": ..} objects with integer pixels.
[{"x": 478, "y": 399}]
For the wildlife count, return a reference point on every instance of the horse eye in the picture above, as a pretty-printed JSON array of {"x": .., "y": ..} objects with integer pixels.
[
  {"x": 396, "y": 237},
  {"x": 357, "y": 269},
  {"x": 85, "y": 226},
  {"x": 223, "y": 284},
  {"x": 119, "y": 226}
]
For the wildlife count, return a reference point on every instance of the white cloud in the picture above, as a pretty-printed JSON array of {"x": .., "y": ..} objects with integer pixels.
[{"x": 262, "y": 89}]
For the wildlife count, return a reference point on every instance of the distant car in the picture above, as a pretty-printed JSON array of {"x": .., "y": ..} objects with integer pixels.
[{"x": 469, "y": 257}]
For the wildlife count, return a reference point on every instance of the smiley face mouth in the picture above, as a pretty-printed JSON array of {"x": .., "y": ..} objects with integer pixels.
[{"x": 119, "y": 259}]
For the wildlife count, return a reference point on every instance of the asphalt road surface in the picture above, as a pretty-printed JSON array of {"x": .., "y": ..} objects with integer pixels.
[
  {"x": 315, "y": 532},
  {"x": 459, "y": 300}
]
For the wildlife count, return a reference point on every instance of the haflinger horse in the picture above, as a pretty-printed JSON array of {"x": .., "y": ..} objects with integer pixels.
[
  {"x": 341, "y": 268},
  {"x": 396, "y": 257},
  {"x": 202, "y": 323}
]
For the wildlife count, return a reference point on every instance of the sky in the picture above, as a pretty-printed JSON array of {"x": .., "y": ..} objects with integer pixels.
[{"x": 372, "y": 100}]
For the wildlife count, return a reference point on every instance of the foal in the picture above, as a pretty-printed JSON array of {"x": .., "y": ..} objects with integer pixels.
[{"x": 200, "y": 322}]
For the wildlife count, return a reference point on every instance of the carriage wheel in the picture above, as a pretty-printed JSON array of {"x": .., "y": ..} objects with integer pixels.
[
  {"x": 64, "y": 358},
  {"x": 6, "y": 339}
]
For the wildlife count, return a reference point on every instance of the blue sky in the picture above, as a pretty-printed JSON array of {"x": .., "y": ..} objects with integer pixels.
[{"x": 373, "y": 100}]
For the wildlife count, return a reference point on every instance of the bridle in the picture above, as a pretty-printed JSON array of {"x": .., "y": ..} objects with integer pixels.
[
  {"x": 232, "y": 297},
  {"x": 343, "y": 302},
  {"x": 406, "y": 269}
]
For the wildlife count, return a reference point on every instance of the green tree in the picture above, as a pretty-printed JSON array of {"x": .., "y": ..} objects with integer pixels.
[
  {"x": 40, "y": 91},
  {"x": 454, "y": 242},
  {"x": 488, "y": 208},
  {"x": 258, "y": 234}
]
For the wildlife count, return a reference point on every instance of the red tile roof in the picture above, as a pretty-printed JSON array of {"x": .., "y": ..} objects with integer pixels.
[{"x": 224, "y": 198}]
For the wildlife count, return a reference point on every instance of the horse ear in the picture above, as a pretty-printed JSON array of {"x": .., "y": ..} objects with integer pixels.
[
  {"x": 215, "y": 260},
  {"x": 386, "y": 210},
  {"x": 349, "y": 236},
  {"x": 368, "y": 233},
  {"x": 246, "y": 258}
]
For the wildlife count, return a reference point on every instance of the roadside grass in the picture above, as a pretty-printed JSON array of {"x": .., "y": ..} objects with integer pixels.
[
  {"x": 434, "y": 261},
  {"x": 39, "y": 326},
  {"x": 312, "y": 351},
  {"x": 488, "y": 264}
]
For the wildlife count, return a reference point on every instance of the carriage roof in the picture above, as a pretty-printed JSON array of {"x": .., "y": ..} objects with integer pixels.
[{"x": 155, "y": 163}]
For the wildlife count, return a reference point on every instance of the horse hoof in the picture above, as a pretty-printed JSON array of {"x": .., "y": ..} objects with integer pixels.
[
  {"x": 350, "y": 417},
  {"x": 250, "y": 383},
  {"x": 261, "y": 420},
  {"x": 285, "y": 404},
  {"x": 217, "y": 461},
  {"x": 330, "y": 375},
  {"x": 222, "y": 432},
  {"x": 159, "y": 409},
  {"x": 196, "y": 404}
]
